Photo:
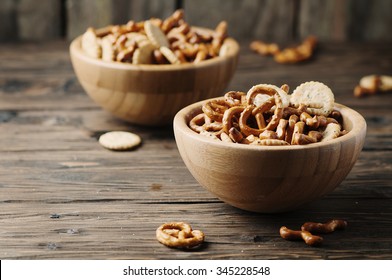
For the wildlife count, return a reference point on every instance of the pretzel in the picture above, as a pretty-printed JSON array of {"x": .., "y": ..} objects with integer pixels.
[
  {"x": 255, "y": 90},
  {"x": 179, "y": 235},
  {"x": 327, "y": 227},
  {"x": 228, "y": 116},
  {"x": 310, "y": 239},
  {"x": 269, "y": 142},
  {"x": 219, "y": 36},
  {"x": 235, "y": 98},
  {"x": 214, "y": 109},
  {"x": 235, "y": 135},
  {"x": 372, "y": 84},
  {"x": 281, "y": 129},
  {"x": 302, "y": 52},
  {"x": 264, "y": 48}
]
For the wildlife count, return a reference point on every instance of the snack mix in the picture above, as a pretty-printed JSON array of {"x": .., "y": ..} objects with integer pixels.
[
  {"x": 156, "y": 41},
  {"x": 267, "y": 115}
]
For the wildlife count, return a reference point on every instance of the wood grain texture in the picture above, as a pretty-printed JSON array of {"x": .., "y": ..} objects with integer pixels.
[
  {"x": 281, "y": 21},
  {"x": 63, "y": 196},
  {"x": 151, "y": 94},
  {"x": 265, "y": 20},
  {"x": 85, "y": 13}
]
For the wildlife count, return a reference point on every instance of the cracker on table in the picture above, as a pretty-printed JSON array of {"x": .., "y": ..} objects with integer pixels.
[{"x": 119, "y": 140}]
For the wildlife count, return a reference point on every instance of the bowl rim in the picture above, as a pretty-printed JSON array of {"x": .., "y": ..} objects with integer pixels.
[
  {"x": 180, "y": 123},
  {"x": 76, "y": 50}
]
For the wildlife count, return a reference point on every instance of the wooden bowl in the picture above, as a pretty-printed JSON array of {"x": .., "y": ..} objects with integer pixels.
[
  {"x": 152, "y": 94},
  {"x": 269, "y": 179}
]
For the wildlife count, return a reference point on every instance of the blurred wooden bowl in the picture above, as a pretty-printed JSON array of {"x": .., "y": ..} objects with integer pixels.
[
  {"x": 152, "y": 94},
  {"x": 269, "y": 179}
]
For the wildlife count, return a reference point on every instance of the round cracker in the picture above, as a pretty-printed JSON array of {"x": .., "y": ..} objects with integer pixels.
[
  {"x": 91, "y": 43},
  {"x": 119, "y": 140},
  {"x": 155, "y": 35},
  {"x": 143, "y": 54},
  {"x": 317, "y": 96}
]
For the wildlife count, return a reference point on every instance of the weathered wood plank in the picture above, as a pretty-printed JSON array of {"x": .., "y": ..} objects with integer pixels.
[
  {"x": 85, "y": 13},
  {"x": 265, "y": 20},
  {"x": 8, "y": 26},
  {"x": 63, "y": 196},
  {"x": 369, "y": 20},
  {"x": 39, "y": 22},
  {"x": 353, "y": 20}
]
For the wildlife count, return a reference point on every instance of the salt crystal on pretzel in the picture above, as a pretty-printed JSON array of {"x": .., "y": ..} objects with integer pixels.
[{"x": 318, "y": 98}]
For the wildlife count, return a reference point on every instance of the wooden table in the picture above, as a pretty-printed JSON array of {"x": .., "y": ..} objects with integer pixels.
[{"x": 63, "y": 196}]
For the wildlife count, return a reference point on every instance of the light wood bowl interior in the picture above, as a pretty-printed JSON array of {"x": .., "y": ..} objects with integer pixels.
[
  {"x": 271, "y": 178},
  {"x": 152, "y": 94}
]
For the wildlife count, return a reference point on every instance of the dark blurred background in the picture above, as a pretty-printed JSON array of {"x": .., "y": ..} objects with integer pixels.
[{"x": 269, "y": 20}]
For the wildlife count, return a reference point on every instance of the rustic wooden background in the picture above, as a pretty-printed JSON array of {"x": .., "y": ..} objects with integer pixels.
[{"x": 272, "y": 20}]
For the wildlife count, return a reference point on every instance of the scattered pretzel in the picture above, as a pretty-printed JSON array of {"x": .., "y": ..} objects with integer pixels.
[
  {"x": 179, "y": 235},
  {"x": 303, "y": 51},
  {"x": 310, "y": 239},
  {"x": 268, "y": 116},
  {"x": 327, "y": 227},
  {"x": 372, "y": 84}
]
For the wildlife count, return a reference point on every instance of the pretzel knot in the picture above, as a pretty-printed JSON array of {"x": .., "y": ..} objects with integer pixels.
[
  {"x": 179, "y": 235},
  {"x": 258, "y": 111}
]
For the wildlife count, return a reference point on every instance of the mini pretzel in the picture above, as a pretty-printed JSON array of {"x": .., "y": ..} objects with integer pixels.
[
  {"x": 179, "y": 235},
  {"x": 235, "y": 135},
  {"x": 371, "y": 84},
  {"x": 249, "y": 109},
  {"x": 264, "y": 48},
  {"x": 327, "y": 227},
  {"x": 215, "y": 109},
  {"x": 310, "y": 239},
  {"x": 228, "y": 116},
  {"x": 235, "y": 98}
]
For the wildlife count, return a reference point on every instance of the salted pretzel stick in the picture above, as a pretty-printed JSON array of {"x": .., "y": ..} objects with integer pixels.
[
  {"x": 227, "y": 119},
  {"x": 327, "y": 227},
  {"x": 310, "y": 239}
]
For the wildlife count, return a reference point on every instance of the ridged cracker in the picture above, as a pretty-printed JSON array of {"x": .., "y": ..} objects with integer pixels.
[
  {"x": 91, "y": 43},
  {"x": 108, "y": 50},
  {"x": 155, "y": 35},
  {"x": 143, "y": 54},
  {"x": 119, "y": 140},
  {"x": 170, "y": 56},
  {"x": 317, "y": 96}
]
